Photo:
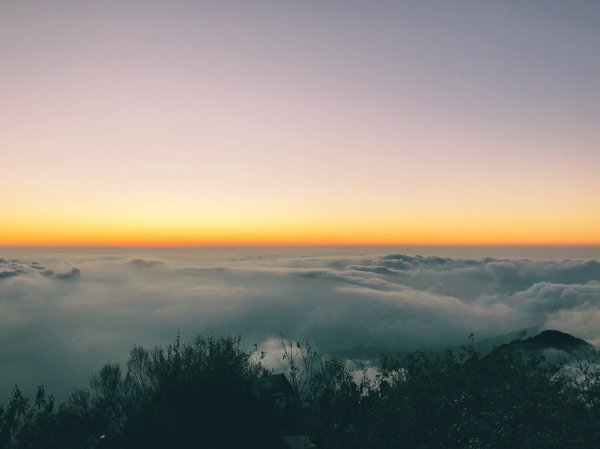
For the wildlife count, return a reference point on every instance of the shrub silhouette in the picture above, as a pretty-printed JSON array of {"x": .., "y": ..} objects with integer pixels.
[{"x": 197, "y": 395}]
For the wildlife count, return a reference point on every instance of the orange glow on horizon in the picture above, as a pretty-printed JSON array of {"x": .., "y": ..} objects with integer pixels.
[{"x": 361, "y": 235}]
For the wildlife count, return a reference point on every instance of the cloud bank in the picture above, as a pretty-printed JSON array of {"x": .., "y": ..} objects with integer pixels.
[{"x": 62, "y": 316}]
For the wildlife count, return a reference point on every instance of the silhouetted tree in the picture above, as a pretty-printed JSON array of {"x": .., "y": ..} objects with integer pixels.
[{"x": 197, "y": 395}]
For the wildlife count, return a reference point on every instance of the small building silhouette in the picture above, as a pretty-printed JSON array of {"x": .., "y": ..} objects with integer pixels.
[
  {"x": 271, "y": 387},
  {"x": 277, "y": 390}
]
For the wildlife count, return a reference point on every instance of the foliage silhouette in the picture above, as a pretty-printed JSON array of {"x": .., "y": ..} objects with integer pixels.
[{"x": 197, "y": 395}]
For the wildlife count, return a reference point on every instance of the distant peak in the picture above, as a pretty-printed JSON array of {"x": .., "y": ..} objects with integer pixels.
[
  {"x": 549, "y": 339},
  {"x": 557, "y": 339}
]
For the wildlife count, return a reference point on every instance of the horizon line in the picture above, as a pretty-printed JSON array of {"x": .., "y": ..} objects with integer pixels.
[{"x": 290, "y": 245}]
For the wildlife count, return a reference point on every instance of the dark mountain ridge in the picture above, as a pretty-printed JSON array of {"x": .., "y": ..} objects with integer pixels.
[
  {"x": 544, "y": 341},
  {"x": 552, "y": 344},
  {"x": 556, "y": 339}
]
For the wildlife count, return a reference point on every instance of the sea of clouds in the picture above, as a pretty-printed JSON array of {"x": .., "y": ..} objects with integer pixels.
[{"x": 63, "y": 316}]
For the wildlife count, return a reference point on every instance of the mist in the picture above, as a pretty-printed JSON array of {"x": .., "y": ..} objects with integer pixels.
[{"x": 63, "y": 315}]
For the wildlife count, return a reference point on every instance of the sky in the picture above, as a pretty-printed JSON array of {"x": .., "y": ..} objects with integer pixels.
[
  {"x": 63, "y": 314},
  {"x": 299, "y": 122}
]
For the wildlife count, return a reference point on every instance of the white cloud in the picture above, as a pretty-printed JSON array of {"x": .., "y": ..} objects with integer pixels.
[{"x": 63, "y": 316}]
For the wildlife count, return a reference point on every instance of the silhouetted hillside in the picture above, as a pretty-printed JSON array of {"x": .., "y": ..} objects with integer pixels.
[
  {"x": 549, "y": 340},
  {"x": 212, "y": 393},
  {"x": 557, "y": 340}
]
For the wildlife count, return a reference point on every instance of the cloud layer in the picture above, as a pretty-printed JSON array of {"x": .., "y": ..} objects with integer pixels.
[{"x": 62, "y": 316}]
